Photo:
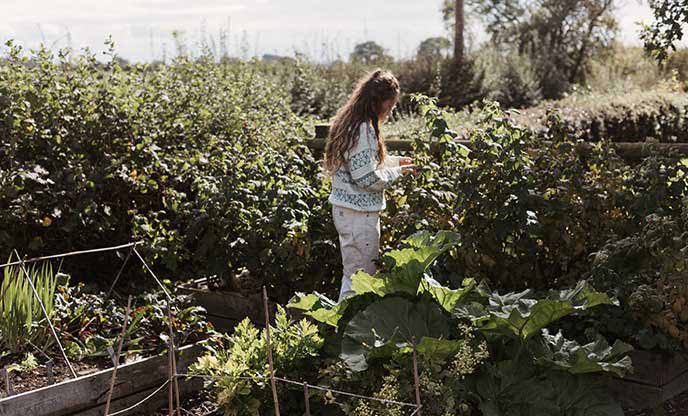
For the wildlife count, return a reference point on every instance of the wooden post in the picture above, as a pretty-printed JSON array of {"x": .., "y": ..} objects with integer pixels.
[
  {"x": 267, "y": 340},
  {"x": 306, "y": 398},
  {"x": 51, "y": 374},
  {"x": 416, "y": 381},
  {"x": 8, "y": 383},
  {"x": 119, "y": 352},
  {"x": 173, "y": 350}
]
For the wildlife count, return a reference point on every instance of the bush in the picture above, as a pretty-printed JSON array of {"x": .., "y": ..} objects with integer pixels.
[
  {"x": 238, "y": 364},
  {"x": 204, "y": 161},
  {"x": 627, "y": 117},
  {"x": 530, "y": 216}
]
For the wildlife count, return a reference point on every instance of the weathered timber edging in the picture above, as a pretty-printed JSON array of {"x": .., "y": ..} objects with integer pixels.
[
  {"x": 226, "y": 309},
  {"x": 86, "y": 396},
  {"x": 657, "y": 378}
]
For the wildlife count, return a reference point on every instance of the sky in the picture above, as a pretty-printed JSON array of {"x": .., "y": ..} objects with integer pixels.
[{"x": 322, "y": 29}]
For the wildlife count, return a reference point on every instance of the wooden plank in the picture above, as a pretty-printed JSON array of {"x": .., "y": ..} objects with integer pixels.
[
  {"x": 186, "y": 389},
  {"x": 675, "y": 366},
  {"x": 229, "y": 305},
  {"x": 226, "y": 309},
  {"x": 648, "y": 367},
  {"x": 90, "y": 391},
  {"x": 629, "y": 151}
]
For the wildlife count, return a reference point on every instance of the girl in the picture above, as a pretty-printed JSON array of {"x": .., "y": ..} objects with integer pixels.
[{"x": 357, "y": 161}]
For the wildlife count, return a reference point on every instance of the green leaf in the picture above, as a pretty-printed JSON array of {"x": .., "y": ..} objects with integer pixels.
[
  {"x": 319, "y": 307},
  {"x": 508, "y": 388},
  {"x": 406, "y": 266},
  {"x": 438, "y": 348},
  {"x": 578, "y": 359},
  {"x": 523, "y": 316},
  {"x": 388, "y": 324},
  {"x": 446, "y": 297}
]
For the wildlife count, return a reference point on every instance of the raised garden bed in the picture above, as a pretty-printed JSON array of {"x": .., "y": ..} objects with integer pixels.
[
  {"x": 657, "y": 378},
  {"x": 86, "y": 395},
  {"x": 225, "y": 309}
]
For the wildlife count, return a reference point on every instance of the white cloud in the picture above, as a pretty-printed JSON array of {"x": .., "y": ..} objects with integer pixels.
[{"x": 140, "y": 27}]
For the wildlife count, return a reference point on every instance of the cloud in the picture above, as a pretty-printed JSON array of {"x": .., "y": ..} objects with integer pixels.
[{"x": 141, "y": 27}]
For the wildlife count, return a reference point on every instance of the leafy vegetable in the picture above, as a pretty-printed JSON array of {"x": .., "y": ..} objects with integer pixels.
[
  {"x": 389, "y": 324},
  {"x": 579, "y": 359}
]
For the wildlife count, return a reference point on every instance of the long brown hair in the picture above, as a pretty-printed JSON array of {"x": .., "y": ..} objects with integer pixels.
[{"x": 364, "y": 104}]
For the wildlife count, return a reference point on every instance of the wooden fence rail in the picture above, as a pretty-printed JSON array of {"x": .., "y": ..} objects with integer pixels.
[{"x": 626, "y": 150}]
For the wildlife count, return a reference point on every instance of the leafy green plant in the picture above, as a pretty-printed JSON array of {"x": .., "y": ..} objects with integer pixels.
[
  {"x": 91, "y": 322},
  {"x": 237, "y": 367},
  {"x": 404, "y": 304},
  {"x": 22, "y": 322}
]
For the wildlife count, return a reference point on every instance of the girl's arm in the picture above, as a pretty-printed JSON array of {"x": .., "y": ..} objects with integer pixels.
[
  {"x": 392, "y": 161},
  {"x": 364, "y": 167}
]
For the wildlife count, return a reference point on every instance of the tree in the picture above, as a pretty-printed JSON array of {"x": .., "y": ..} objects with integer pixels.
[
  {"x": 456, "y": 23},
  {"x": 667, "y": 28},
  {"x": 458, "y": 31},
  {"x": 369, "y": 53},
  {"x": 433, "y": 49},
  {"x": 560, "y": 36}
]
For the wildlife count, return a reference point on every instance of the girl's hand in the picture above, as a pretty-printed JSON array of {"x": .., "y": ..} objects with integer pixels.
[{"x": 404, "y": 161}]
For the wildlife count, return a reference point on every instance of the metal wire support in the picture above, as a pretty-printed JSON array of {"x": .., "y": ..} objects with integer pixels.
[
  {"x": 164, "y": 289},
  {"x": 45, "y": 313},
  {"x": 142, "y": 401},
  {"x": 73, "y": 253},
  {"x": 119, "y": 274},
  {"x": 173, "y": 360}
]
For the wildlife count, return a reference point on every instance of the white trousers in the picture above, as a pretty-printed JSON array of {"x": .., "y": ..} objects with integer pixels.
[{"x": 359, "y": 241}]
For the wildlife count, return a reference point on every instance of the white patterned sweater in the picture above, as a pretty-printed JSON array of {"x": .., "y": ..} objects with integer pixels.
[{"x": 360, "y": 181}]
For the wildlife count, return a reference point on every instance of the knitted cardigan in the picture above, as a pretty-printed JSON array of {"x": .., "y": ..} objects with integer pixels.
[{"x": 360, "y": 181}]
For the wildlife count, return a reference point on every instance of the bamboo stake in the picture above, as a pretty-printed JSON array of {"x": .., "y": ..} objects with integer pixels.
[
  {"x": 416, "y": 381},
  {"x": 119, "y": 352},
  {"x": 306, "y": 398},
  {"x": 170, "y": 389},
  {"x": 267, "y": 339},
  {"x": 174, "y": 359}
]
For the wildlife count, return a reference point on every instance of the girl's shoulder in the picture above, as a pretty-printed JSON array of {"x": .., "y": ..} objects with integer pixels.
[{"x": 366, "y": 131}]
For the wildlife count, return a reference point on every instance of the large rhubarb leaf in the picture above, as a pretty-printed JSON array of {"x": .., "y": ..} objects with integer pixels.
[
  {"x": 319, "y": 307},
  {"x": 510, "y": 388},
  {"x": 406, "y": 267},
  {"x": 389, "y": 324},
  {"x": 523, "y": 316},
  {"x": 594, "y": 357}
]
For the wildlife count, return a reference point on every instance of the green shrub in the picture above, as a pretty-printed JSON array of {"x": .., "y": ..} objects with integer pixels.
[
  {"x": 617, "y": 117},
  {"x": 238, "y": 370},
  {"x": 204, "y": 161},
  {"x": 510, "y": 79},
  {"x": 453, "y": 330}
]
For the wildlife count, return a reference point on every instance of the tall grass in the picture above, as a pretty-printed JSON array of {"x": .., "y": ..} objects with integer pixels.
[{"x": 21, "y": 319}]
